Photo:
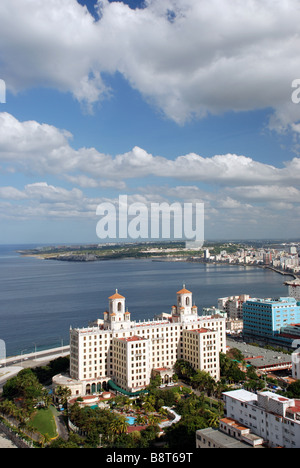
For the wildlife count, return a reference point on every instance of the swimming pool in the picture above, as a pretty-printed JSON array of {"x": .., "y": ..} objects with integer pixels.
[{"x": 130, "y": 420}]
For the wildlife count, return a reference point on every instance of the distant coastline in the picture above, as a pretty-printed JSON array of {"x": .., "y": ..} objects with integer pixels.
[{"x": 157, "y": 252}]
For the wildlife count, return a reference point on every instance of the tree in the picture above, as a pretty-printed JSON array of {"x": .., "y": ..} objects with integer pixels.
[
  {"x": 25, "y": 386},
  {"x": 45, "y": 439},
  {"x": 213, "y": 419},
  {"x": 119, "y": 425},
  {"x": 153, "y": 420},
  {"x": 293, "y": 390},
  {"x": 155, "y": 382},
  {"x": 229, "y": 369},
  {"x": 184, "y": 369},
  {"x": 63, "y": 393},
  {"x": 203, "y": 382},
  {"x": 9, "y": 408}
]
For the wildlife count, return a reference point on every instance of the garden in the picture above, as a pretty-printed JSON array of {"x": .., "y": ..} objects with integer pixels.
[{"x": 26, "y": 407}]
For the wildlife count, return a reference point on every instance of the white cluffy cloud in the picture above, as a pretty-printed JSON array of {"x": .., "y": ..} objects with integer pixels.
[
  {"x": 39, "y": 149},
  {"x": 187, "y": 57}
]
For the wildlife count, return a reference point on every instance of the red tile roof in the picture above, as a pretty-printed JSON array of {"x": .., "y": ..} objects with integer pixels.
[{"x": 184, "y": 291}]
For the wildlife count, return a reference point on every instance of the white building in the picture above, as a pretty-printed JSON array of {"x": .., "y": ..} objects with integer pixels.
[
  {"x": 230, "y": 434},
  {"x": 296, "y": 364},
  {"x": 233, "y": 305},
  {"x": 294, "y": 288},
  {"x": 273, "y": 417},
  {"x": 128, "y": 352}
]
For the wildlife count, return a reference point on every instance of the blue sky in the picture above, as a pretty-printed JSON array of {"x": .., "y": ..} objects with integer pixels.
[{"x": 161, "y": 100}]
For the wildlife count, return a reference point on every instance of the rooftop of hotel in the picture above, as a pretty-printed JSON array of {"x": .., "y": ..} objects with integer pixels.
[
  {"x": 270, "y": 300},
  {"x": 201, "y": 330},
  {"x": 133, "y": 338},
  {"x": 184, "y": 291},
  {"x": 116, "y": 296}
]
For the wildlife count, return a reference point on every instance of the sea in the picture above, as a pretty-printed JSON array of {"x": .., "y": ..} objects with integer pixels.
[{"x": 41, "y": 299}]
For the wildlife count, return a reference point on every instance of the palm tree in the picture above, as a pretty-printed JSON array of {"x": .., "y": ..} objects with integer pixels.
[
  {"x": 119, "y": 425},
  {"x": 213, "y": 419},
  {"x": 9, "y": 408},
  {"x": 123, "y": 425},
  {"x": 163, "y": 411},
  {"x": 28, "y": 427},
  {"x": 148, "y": 408},
  {"x": 153, "y": 420},
  {"x": 141, "y": 420},
  {"x": 45, "y": 439},
  {"x": 46, "y": 398},
  {"x": 63, "y": 394}
]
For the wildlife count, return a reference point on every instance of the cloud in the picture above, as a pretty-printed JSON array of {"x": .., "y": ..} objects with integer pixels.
[
  {"x": 41, "y": 200},
  {"x": 188, "y": 58},
  {"x": 45, "y": 193},
  {"x": 11, "y": 193},
  {"x": 39, "y": 149},
  {"x": 29, "y": 136},
  {"x": 49, "y": 47},
  {"x": 263, "y": 193}
]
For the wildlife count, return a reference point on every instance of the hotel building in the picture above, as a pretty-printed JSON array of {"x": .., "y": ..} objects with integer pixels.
[{"x": 127, "y": 353}]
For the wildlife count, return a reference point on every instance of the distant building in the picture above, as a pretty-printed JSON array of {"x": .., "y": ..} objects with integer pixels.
[
  {"x": 233, "y": 305},
  {"x": 273, "y": 417},
  {"x": 296, "y": 364},
  {"x": 267, "y": 258},
  {"x": 206, "y": 254},
  {"x": 234, "y": 326},
  {"x": 264, "y": 319},
  {"x": 294, "y": 289}
]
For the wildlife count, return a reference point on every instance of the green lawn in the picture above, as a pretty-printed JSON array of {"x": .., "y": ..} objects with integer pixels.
[{"x": 44, "y": 422}]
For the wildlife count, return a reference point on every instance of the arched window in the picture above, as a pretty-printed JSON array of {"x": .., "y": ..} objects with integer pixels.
[
  {"x": 187, "y": 301},
  {"x": 119, "y": 306}
]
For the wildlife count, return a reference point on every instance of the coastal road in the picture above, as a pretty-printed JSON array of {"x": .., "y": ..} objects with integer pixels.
[{"x": 10, "y": 366}]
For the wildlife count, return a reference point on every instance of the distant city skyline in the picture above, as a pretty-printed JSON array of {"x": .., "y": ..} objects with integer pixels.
[{"x": 160, "y": 100}]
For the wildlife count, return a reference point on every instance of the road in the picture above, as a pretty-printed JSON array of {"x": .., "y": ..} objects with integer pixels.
[{"x": 10, "y": 366}]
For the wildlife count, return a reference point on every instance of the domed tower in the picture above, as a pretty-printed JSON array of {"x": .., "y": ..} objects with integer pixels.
[
  {"x": 117, "y": 318},
  {"x": 185, "y": 308}
]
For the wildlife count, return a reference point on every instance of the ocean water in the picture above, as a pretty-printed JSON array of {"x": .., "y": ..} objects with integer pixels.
[{"x": 41, "y": 299}]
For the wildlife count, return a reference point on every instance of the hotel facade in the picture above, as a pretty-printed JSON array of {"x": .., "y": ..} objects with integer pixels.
[{"x": 127, "y": 353}]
